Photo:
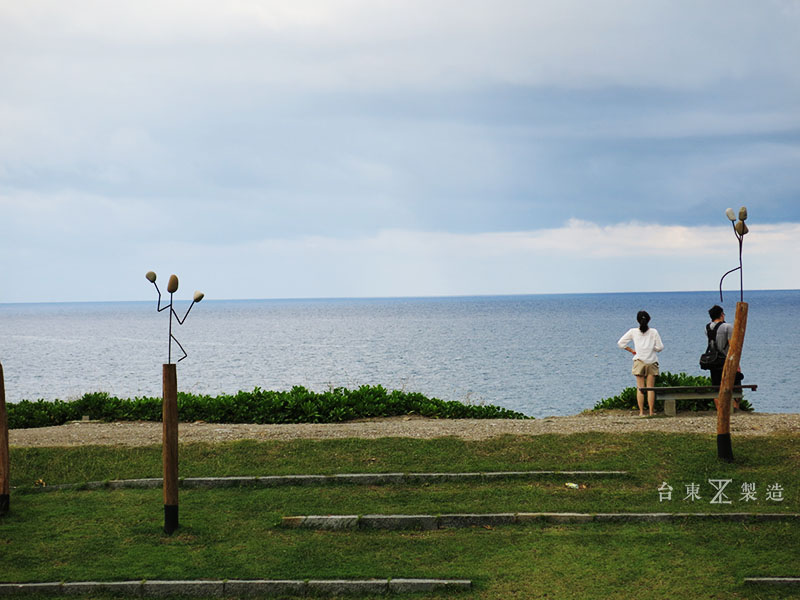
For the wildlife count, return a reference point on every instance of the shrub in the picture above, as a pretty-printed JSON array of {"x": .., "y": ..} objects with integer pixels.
[
  {"x": 297, "y": 405},
  {"x": 627, "y": 398}
]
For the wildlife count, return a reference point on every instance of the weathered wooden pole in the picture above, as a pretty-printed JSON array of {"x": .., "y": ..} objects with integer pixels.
[
  {"x": 724, "y": 448},
  {"x": 4, "y": 460},
  {"x": 169, "y": 451},
  {"x": 169, "y": 408}
]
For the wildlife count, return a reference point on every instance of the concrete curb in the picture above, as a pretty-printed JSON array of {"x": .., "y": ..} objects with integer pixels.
[
  {"x": 238, "y": 588},
  {"x": 344, "y": 478},
  {"x": 431, "y": 522}
]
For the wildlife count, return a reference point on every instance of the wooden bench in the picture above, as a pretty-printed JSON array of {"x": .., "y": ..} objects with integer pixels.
[{"x": 692, "y": 392}]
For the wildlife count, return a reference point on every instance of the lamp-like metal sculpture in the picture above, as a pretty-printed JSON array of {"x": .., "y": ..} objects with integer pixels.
[
  {"x": 169, "y": 448},
  {"x": 728, "y": 379},
  {"x": 739, "y": 230}
]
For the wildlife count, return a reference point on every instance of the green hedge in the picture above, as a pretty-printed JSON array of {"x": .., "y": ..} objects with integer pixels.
[
  {"x": 627, "y": 399},
  {"x": 297, "y": 405}
]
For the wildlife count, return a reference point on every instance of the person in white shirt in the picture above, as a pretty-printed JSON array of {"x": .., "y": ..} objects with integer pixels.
[{"x": 646, "y": 344}]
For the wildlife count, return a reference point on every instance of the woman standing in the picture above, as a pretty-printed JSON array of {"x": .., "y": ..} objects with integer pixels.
[{"x": 646, "y": 343}]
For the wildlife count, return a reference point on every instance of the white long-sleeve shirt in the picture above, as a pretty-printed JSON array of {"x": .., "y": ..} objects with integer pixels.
[{"x": 646, "y": 344}]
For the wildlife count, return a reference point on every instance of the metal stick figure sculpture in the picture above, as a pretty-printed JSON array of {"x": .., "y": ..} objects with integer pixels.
[
  {"x": 739, "y": 230},
  {"x": 172, "y": 287},
  {"x": 169, "y": 411}
]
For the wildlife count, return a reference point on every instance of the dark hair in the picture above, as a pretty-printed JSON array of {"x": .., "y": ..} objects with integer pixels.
[
  {"x": 715, "y": 312},
  {"x": 643, "y": 319}
]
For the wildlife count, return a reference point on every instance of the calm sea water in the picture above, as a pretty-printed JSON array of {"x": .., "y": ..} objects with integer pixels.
[{"x": 541, "y": 355}]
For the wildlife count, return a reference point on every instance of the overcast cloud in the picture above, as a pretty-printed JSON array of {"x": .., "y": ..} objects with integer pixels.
[{"x": 320, "y": 148}]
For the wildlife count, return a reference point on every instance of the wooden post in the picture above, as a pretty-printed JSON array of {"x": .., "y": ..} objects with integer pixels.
[
  {"x": 724, "y": 448},
  {"x": 169, "y": 451},
  {"x": 4, "y": 461}
]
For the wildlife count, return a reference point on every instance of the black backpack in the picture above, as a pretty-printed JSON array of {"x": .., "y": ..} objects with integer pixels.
[{"x": 712, "y": 358}]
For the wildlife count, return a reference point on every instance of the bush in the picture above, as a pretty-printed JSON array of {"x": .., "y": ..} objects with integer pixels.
[
  {"x": 627, "y": 398},
  {"x": 297, "y": 405}
]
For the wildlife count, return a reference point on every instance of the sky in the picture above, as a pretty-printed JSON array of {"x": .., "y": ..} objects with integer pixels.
[{"x": 363, "y": 148}]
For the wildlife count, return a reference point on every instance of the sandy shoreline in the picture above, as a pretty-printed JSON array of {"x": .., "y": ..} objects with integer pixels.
[{"x": 140, "y": 433}]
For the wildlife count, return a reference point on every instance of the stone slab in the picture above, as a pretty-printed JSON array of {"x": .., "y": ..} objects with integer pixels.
[
  {"x": 241, "y": 588},
  {"x": 476, "y": 520},
  {"x": 777, "y": 581},
  {"x": 429, "y": 522},
  {"x": 306, "y": 479},
  {"x": 293, "y": 522},
  {"x": 347, "y": 478},
  {"x": 395, "y": 522},
  {"x": 238, "y": 588},
  {"x": 739, "y": 517},
  {"x": 413, "y": 586},
  {"x": 633, "y": 517},
  {"x": 443, "y": 477},
  {"x": 525, "y": 518},
  {"x": 218, "y": 482},
  {"x": 92, "y": 588},
  {"x": 369, "y": 478},
  {"x": 199, "y": 589},
  {"x": 22, "y": 589},
  {"x": 344, "y": 587},
  {"x": 149, "y": 483},
  {"x": 333, "y": 522}
]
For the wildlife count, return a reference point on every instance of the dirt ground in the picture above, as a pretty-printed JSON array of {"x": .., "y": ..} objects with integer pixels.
[{"x": 147, "y": 433}]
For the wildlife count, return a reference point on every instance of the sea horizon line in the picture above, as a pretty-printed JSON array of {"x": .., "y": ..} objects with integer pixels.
[{"x": 379, "y": 298}]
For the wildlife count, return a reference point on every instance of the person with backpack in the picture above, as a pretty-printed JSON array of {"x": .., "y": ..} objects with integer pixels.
[
  {"x": 646, "y": 344},
  {"x": 719, "y": 332}
]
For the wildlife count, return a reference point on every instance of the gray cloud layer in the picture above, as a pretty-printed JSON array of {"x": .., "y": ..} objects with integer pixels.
[{"x": 137, "y": 123}]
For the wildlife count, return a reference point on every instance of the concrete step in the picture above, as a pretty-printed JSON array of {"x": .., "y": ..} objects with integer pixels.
[
  {"x": 238, "y": 588},
  {"x": 431, "y": 522},
  {"x": 344, "y": 478}
]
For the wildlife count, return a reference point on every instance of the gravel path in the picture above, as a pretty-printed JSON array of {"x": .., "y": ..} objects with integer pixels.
[{"x": 146, "y": 433}]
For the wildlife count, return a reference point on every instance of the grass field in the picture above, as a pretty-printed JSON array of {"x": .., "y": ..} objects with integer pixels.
[{"x": 236, "y": 533}]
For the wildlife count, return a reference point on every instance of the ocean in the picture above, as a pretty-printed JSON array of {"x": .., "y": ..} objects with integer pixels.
[{"x": 538, "y": 354}]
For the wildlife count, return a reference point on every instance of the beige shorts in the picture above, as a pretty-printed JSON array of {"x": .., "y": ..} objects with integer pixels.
[{"x": 644, "y": 369}]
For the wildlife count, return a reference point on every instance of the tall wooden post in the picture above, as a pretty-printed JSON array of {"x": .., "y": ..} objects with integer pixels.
[
  {"x": 724, "y": 448},
  {"x": 169, "y": 451},
  {"x": 4, "y": 461}
]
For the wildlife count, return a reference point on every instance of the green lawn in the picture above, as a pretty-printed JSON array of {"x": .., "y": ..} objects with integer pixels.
[{"x": 236, "y": 533}]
